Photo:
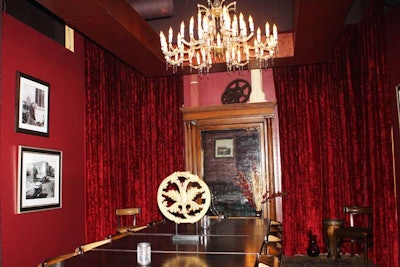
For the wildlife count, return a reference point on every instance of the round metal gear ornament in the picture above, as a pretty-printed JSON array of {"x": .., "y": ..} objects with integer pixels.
[
  {"x": 183, "y": 197},
  {"x": 237, "y": 91}
]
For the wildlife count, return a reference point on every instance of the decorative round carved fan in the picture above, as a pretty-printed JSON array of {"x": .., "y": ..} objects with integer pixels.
[
  {"x": 237, "y": 91},
  {"x": 183, "y": 197}
]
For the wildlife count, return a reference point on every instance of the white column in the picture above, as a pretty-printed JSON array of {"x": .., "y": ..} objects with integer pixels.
[{"x": 257, "y": 92}]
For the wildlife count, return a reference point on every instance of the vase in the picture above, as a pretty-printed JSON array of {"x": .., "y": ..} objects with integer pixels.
[
  {"x": 330, "y": 226},
  {"x": 312, "y": 250},
  {"x": 258, "y": 213}
]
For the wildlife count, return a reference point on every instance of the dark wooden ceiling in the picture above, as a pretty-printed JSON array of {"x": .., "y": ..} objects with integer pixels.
[{"x": 115, "y": 26}]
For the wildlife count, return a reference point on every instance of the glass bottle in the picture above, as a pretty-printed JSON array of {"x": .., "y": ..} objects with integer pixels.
[{"x": 312, "y": 250}]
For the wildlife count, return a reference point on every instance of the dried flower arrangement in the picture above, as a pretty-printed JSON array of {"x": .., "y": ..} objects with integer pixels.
[{"x": 251, "y": 186}]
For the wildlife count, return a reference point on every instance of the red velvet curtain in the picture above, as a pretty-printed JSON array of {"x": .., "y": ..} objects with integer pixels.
[
  {"x": 335, "y": 138},
  {"x": 1, "y": 89},
  {"x": 134, "y": 139}
]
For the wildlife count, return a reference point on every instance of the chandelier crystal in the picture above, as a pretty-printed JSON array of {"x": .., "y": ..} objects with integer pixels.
[{"x": 221, "y": 36}]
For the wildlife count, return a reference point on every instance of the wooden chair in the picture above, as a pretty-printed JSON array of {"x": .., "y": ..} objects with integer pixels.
[
  {"x": 275, "y": 223},
  {"x": 273, "y": 246},
  {"x": 273, "y": 238},
  {"x": 276, "y": 231},
  {"x": 87, "y": 247},
  {"x": 126, "y": 212},
  {"x": 57, "y": 259},
  {"x": 360, "y": 229},
  {"x": 271, "y": 253},
  {"x": 268, "y": 261}
]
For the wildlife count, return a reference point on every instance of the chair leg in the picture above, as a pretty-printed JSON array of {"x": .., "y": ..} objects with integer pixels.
[
  {"x": 352, "y": 248},
  {"x": 365, "y": 251}
]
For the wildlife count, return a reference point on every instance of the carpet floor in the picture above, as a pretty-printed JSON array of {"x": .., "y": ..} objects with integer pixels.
[{"x": 322, "y": 261}]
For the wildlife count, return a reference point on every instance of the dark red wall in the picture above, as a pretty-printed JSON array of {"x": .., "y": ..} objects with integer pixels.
[
  {"x": 29, "y": 238},
  {"x": 393, "y": 60}
]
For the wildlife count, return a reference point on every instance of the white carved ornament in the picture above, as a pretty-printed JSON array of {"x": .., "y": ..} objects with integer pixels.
[{"x": 183, "y": 197}]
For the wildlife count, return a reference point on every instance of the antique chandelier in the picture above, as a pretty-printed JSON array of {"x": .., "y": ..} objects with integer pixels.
[{"x": 219, "y": 38}]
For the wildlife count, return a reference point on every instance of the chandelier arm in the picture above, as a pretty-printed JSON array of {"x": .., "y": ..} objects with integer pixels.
[
  {"x": 196, "y": 67},
  {"x": 201, "y": 8},
  {"x": 241, "y": 64},
  {"x": 220, "y": 37},
  {"x": 248, "y": 38},
  {"x": 193, "y": 43},
  {"x": 172, "y": 50},
  {"x": 231, "y": 6}
]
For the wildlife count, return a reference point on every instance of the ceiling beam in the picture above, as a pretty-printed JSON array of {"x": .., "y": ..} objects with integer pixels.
[
  {"x": 316, "y": 25},
  {"x": 115, "y": 26}
]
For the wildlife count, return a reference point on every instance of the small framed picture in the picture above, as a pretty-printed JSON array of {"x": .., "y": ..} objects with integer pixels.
[
  {"x": 39, "y": 179},
  {"x": 32, "y": 105},
  {"x": 224, "y": 148}
]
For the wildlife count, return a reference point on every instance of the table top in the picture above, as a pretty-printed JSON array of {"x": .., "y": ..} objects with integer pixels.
[
  {"x": 229, "y": 242},
  {"x": 173, "y": 244},
  {"x": 233, "y": 226},
  {"x": 97, "y": 258}
]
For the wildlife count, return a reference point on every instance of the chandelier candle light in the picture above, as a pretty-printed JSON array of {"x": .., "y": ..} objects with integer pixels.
[{"x": 219, "y": 38}]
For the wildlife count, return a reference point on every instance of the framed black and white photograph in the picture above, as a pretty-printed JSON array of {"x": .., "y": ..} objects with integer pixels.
[
  {"x": 32, "y": 105},
  {"x": 224, "y": 148},
  {"x": 39, "y": 179}
]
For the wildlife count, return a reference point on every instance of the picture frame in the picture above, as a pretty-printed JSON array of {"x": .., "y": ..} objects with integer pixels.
[
  {"x": 39, "y": 179},
  {"x": 224, "y": 148},
  {"x": 32, "y": 105}
]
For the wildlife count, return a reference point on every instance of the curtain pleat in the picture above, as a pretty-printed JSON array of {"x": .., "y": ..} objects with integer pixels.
[
  {"x": 335, "y": 139},
  {"x": 1, "y": 90},
  {"x": 134, "y": 139}
]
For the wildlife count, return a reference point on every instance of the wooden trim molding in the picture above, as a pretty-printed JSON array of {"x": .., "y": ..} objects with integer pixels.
[
  {"x": 227, "y": 117},
  {"x": 265, "y": 109}
]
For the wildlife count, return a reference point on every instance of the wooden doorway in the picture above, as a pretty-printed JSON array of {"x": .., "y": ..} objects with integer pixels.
[{"x": 231, "y": 142}]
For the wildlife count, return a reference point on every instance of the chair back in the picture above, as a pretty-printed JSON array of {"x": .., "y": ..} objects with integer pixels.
[
  {"x": 360, "y": 217},
  {"x": 126, "y": 212},
  {"x": 359, "y": 230}
]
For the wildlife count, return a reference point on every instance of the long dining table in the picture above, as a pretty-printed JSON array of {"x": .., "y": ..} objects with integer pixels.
[{"x": 227, "y": 242}]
